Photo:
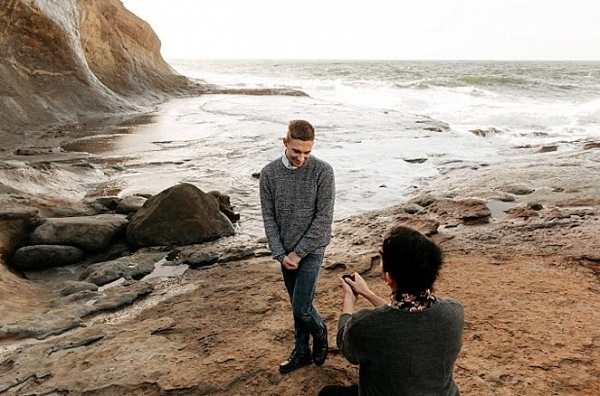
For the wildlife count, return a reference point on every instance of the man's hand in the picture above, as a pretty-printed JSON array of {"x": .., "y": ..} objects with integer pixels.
[
  {"x": 289, "y": 261},
  {"x": 294, "y": 257}
]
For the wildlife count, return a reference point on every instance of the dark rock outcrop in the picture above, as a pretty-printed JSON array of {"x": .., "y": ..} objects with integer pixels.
[
  {"x": 91, "y": 233},
  {"x": 485, "y": 132},
  {"x": 130, "y": 204},
  {"x": 225, "y": 206},
  {"x": 591, "y": 145},
  {"x": 43, "y": 256},
  {"x": 72, "y": 287},
  {"x": 547, "y": 148},
  {"x": 180, "y": 215},
  {"x": 67, "y": 315},
  {"x": 134, "y": 267}
]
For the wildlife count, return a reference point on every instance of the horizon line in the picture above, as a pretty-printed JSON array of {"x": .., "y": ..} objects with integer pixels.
[{"x": 377, "y": 59}]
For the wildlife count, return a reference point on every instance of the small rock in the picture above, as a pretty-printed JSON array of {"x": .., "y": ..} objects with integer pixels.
[
  {"x": 130, "y": 204},
  {"x": 535, "y": 206},
  {"x": 556, "y": 214},
  {"x": 412, "y": 208},
  {"x": 45, "y": 256},
  {"x": 518, "y": 190},
  {"x": 72, "y": 287},
  {"x": 107, "y": 202},
  {"x": 424, "y": 200},
  {"x": 225, "y": 206},
  {"x": 485, "y": 132},
  {"x": 469, "y": 211},
  {"x": 521, "y": 212},
  {"x": 415, "y": 160},
  {"x": 591, "y": 145}
]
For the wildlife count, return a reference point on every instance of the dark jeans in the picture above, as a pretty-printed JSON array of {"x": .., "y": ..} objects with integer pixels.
[
  {"x": 338, "y": 390},
  {"x": 301, "y": 285}
]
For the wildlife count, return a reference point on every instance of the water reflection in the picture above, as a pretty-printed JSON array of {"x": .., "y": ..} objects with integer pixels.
[
  {"x": 499, "y": 208},
  {"x": 104, "y": 136},
  {"x": 164, "y": 268}
]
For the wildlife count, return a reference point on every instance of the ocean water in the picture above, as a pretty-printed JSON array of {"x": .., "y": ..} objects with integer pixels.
[
  {"x": 559, "y": 98},
  {"x": 379, "y": 123}
]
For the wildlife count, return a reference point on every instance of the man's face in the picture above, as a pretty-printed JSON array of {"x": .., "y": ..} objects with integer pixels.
[{"x": 298, "y": 151}]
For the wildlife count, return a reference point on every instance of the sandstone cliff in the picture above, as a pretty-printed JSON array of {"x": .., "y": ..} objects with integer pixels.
[{"x": 64, "y": 61}]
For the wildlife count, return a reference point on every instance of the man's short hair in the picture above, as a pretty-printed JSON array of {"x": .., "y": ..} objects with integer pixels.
[
  {"x": 412, "y": 260},
  {"x": 301, "y": 130}
]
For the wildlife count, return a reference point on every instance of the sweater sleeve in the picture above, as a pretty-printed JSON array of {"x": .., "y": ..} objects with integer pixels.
[
  {"x": 319, "y": 232},
  {"x": 344, "y": 339},
  {"x": 268, "y": 211}
]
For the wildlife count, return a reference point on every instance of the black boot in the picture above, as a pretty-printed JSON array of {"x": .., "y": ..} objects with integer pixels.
[
  {"x": 320, "y": 348},
  {"x": 296, "y": 360}
]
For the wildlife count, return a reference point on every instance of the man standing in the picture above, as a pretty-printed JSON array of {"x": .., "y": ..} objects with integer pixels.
[{"x": 297, "y": 194}]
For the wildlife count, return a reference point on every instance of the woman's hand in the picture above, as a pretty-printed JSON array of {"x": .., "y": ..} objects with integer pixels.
[
  {"x": 358, "y": 284},
  {"x": 349, "y": 297},
  {"x": 348, "y": 287},
  {"x": 361, "y": 289}
]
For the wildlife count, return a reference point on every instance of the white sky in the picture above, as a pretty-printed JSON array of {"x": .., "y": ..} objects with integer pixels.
[{"x": 375, "y": 29}]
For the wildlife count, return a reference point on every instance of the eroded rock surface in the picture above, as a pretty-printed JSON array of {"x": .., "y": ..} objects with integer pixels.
[{"x": 64, "y": 60}]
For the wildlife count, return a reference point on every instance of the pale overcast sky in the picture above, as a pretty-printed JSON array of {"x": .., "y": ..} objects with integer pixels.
[{"x": 375, "y": 29}]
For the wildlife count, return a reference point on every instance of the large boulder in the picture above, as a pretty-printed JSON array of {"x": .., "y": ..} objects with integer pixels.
[
  {"x": 91, "y": 233},
  {"x": 180, "y": 215}
]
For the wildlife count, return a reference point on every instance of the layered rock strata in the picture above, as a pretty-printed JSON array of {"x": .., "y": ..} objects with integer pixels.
[{"x": 64, "y": 61}]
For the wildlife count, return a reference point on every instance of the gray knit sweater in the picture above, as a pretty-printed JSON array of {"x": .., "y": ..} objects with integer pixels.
[
  {"x": 402, "y": 353},
  {"x": 297, "y": 207}
]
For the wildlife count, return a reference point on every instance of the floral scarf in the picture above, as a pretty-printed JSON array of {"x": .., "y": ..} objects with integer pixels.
[{"x": 412, "y": 303}]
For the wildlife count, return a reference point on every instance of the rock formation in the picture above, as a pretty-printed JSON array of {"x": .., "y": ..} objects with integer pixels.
[
  {"x": 180, "y": 215},
  {"x": 92, "y": 233},
  {"x": 64, "y": 61}
]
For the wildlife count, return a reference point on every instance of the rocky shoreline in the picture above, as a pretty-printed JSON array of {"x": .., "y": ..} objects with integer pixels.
[
  {"x": 122, "y": 315},
  {"x": 219, "y": 323}
]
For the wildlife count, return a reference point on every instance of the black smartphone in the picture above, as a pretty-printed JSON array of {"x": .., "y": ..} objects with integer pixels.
[{"x": 351, "y": 277}]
